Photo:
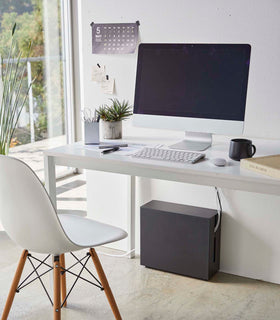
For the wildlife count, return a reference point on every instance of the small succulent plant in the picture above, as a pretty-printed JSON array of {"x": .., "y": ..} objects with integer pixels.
[{"x": 117, "y": 111}]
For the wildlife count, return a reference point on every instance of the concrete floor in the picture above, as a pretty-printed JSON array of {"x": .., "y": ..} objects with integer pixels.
[{"x": 141, "y": 293}]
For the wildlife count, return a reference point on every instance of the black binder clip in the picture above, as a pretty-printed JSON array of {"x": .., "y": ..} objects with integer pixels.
[
  {"x": 92, "y": 24},
  {"x": 138, "y": 23},
  {"x": 107, "y": 77},
  {"x": 98, "y": 65}
]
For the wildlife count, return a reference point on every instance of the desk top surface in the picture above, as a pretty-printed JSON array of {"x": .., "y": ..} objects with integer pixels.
[{"x": 203, "y": 172}]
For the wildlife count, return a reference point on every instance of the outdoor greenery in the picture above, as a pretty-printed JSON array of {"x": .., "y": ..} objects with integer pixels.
[
  {"x": 117, "y": 111},
  {"x": 28, "y": 15},
  {"x": 12, "y": 94}
]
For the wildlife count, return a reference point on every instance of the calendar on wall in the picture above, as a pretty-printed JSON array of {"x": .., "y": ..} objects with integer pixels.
[{"x": 114, "y": 38}]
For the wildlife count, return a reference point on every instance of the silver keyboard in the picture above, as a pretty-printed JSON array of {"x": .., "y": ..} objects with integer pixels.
[{"x": 169, "y": 155}]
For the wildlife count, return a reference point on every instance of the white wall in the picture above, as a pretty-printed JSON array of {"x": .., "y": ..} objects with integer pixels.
[{"x": 250, "y": 224}]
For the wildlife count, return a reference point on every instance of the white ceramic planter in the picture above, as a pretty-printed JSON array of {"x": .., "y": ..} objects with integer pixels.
[{"x": 112, "y": 130}]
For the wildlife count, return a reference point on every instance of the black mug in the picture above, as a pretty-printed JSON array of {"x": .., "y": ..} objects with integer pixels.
[{"x": 241, "y": 148}]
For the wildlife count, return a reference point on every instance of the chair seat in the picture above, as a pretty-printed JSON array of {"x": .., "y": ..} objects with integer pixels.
[{"x": 87, "y": 233}]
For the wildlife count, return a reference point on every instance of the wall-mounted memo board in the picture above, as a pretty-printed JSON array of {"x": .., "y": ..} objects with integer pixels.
[{"x": 114, "y": 38}]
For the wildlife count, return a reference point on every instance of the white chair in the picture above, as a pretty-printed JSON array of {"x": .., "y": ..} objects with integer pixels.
[{"x": 30, "y": 220}]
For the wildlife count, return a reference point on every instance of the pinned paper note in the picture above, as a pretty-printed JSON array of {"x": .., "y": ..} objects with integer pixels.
[
  {"x": 98, "y": 73},
  {"x": 107, "y": 86}
]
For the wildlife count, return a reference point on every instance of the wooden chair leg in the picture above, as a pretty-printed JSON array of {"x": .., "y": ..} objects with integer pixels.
[
  {"x": 63, "y": 280},
  {"x": 56, "y": 289},
  {"x": 14, "y": 286},
  {"x": 105, "y": 284}
]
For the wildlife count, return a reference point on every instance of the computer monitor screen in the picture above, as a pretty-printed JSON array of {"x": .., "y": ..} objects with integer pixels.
[{"x": 192, "y": 80}]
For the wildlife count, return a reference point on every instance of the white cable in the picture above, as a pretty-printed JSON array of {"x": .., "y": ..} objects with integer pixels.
[
  {"x": 116, "y": 255},
  {"x": 219, "y": 209}
]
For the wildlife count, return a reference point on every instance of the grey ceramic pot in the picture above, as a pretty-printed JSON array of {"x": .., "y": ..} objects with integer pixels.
[{"x": 112, "y": 130}]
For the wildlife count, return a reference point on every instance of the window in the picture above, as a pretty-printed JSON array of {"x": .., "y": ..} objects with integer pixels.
[{"x": 45, "y": 120}]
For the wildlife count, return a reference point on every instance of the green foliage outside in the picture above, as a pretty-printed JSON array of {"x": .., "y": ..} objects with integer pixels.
[
  {"x": 12, "y": 94},
  {"x": 28, "y": 15}
]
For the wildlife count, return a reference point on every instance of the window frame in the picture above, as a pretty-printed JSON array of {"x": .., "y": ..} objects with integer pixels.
[{"x": 67, "y": 59}]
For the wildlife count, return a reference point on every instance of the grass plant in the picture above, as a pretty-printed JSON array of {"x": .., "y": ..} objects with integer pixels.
[{"x": 13, "y": 93}]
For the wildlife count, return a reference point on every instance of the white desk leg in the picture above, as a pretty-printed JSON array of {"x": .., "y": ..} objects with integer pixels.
[
  {"x": 50, "y": 179},
  {"x": 50, "y": 185},
  {"x": 131, "y": 215}
]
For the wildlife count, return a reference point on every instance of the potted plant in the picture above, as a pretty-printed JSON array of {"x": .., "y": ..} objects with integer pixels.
[
  {"x": 112, "y": 117},
  {"x": 12, "y": 93}
]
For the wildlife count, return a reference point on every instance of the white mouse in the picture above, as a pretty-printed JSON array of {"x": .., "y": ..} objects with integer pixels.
[{"x": 219, "y": 162}]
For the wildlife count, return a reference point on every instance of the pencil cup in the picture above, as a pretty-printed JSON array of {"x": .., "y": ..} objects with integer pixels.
[{"x": 91, "y": 132}]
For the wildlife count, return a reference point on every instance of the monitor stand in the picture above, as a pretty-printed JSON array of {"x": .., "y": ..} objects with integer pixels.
[{"x": 195, "y": 141}]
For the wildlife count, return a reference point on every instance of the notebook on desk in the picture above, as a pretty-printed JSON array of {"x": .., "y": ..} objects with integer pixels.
[{"x": 268, "y": 165}]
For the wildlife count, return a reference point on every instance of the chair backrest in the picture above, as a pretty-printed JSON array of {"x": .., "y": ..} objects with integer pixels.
[{"x": 26, "y": 211}]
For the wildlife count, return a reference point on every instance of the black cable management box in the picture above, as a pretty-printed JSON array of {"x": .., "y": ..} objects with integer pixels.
[{"x": 180, "y": 239}]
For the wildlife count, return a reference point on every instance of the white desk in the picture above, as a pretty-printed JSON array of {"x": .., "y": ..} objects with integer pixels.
[{"x": 203, "y": 173}]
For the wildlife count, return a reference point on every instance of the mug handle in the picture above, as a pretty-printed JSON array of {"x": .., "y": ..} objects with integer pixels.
[{"x": 254, "y": 150}]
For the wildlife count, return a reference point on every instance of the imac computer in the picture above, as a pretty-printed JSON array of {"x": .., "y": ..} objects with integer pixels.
[{"x": 197, "y": 88}]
